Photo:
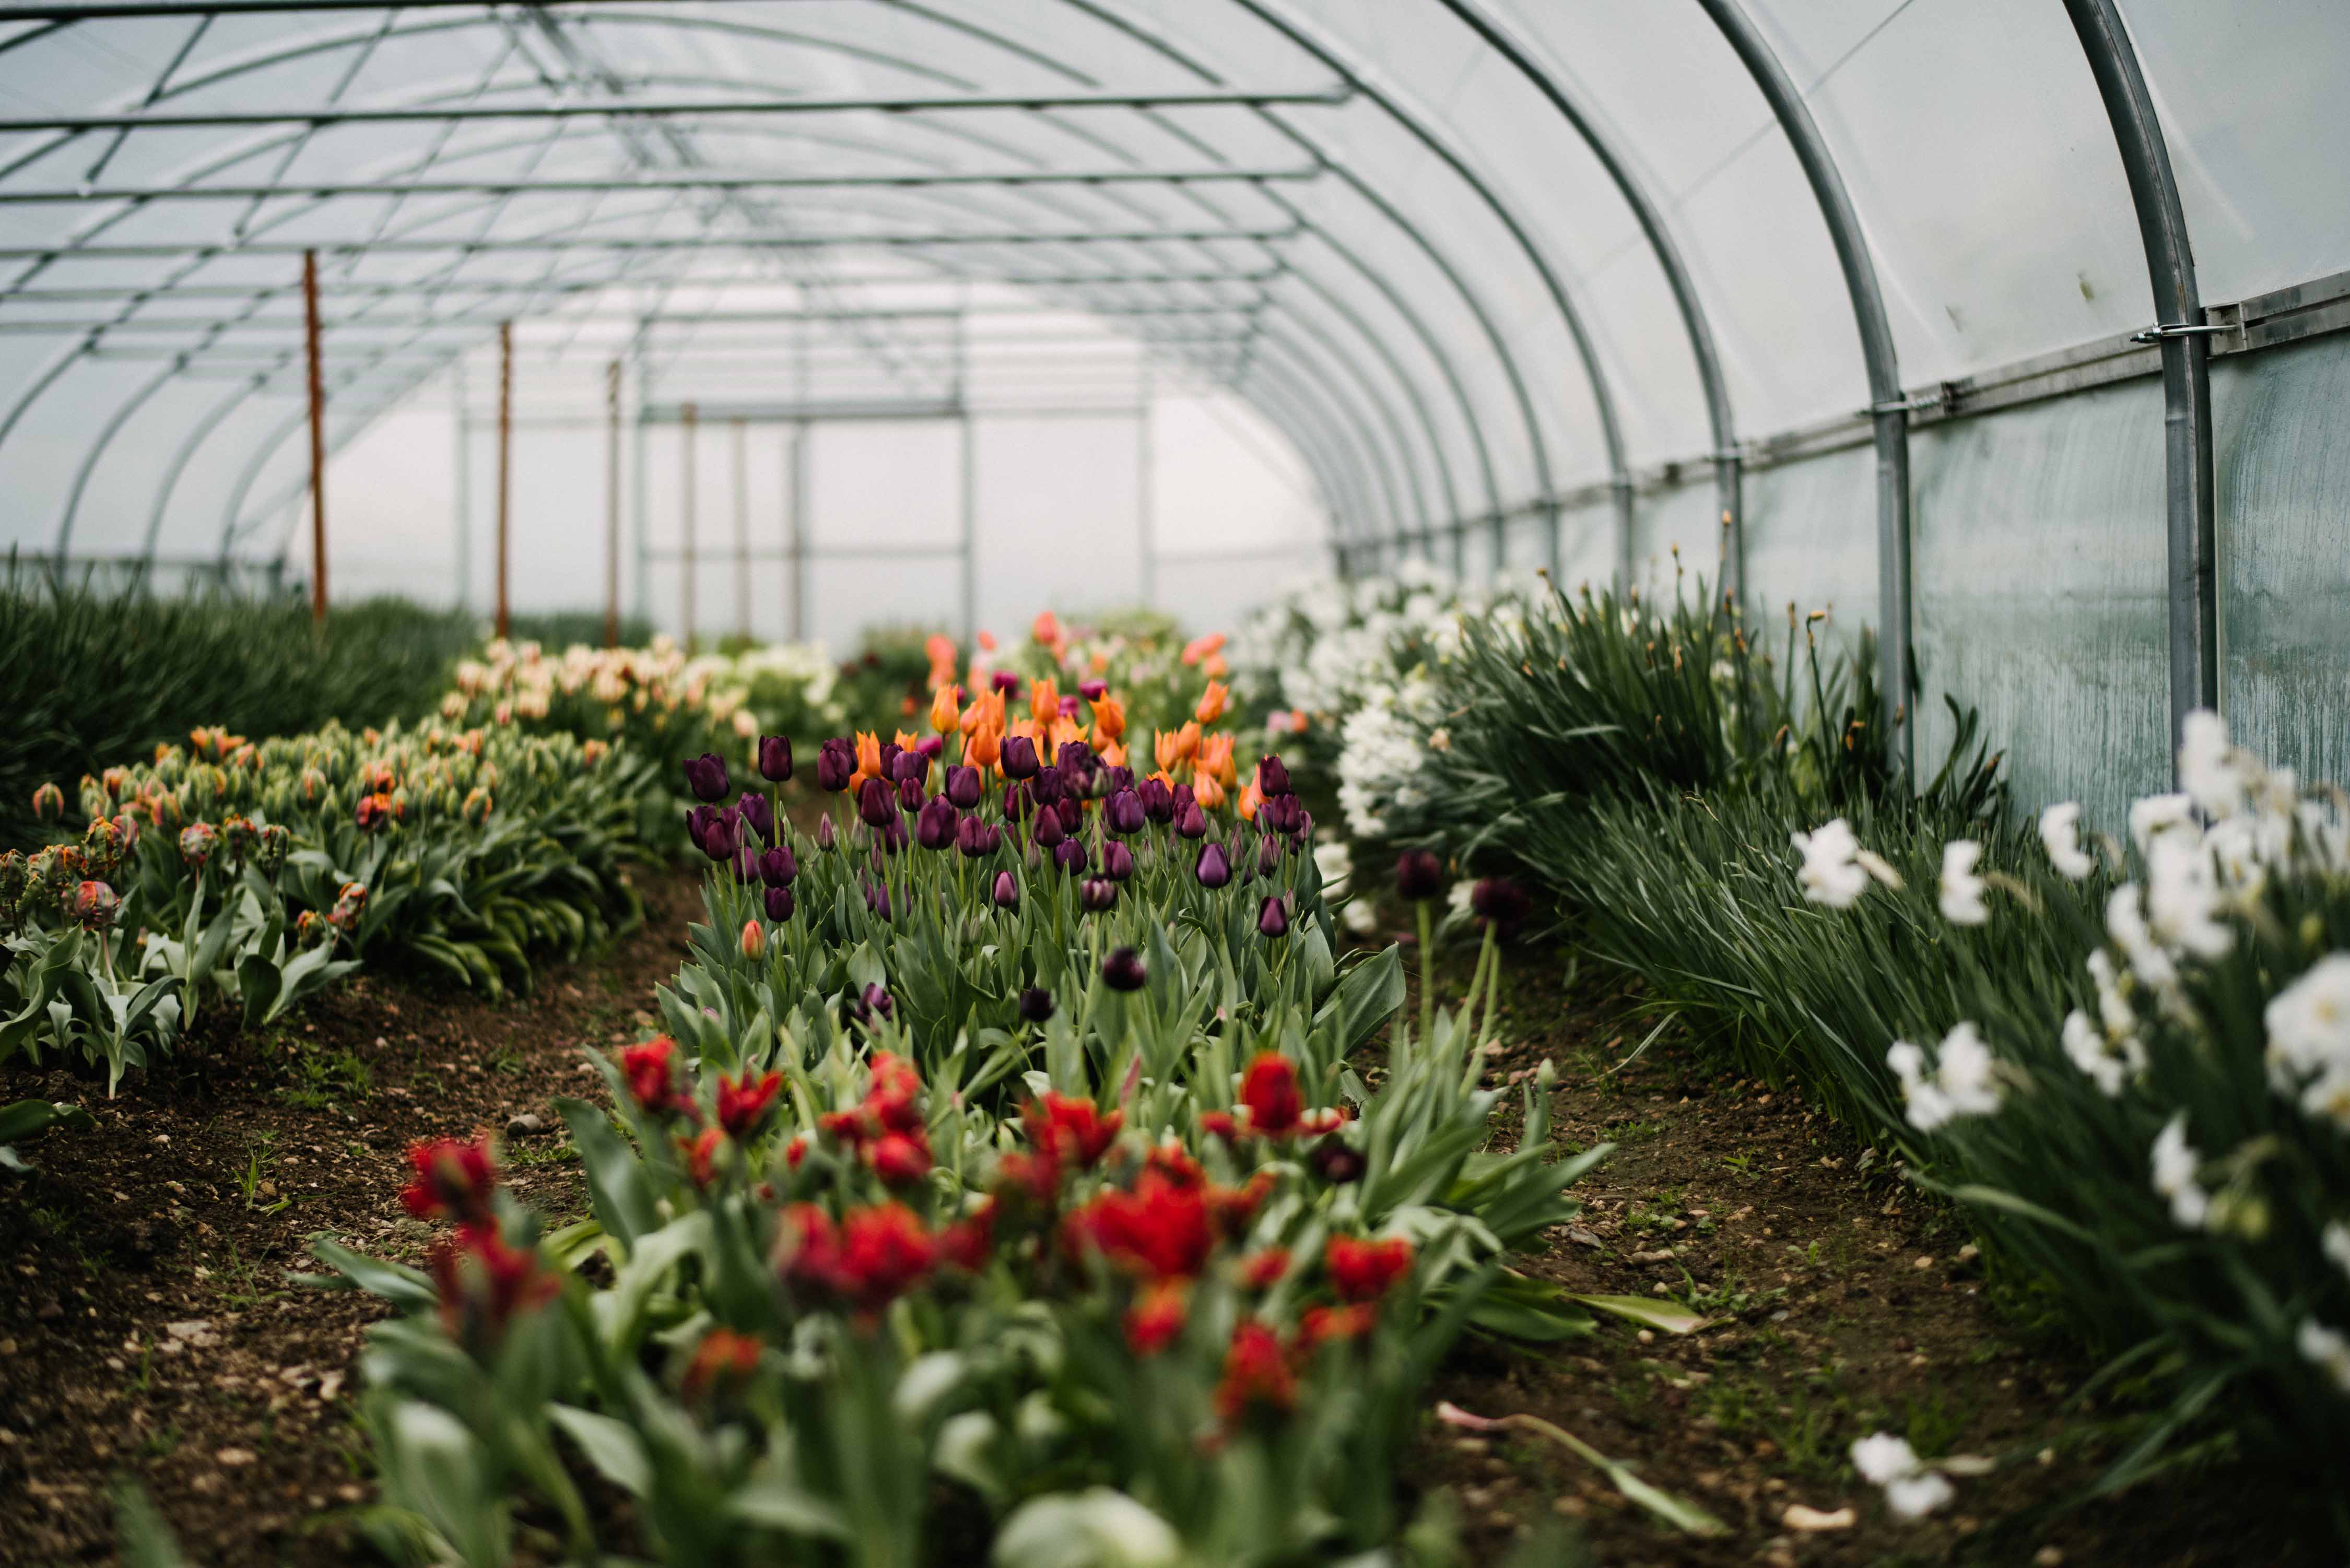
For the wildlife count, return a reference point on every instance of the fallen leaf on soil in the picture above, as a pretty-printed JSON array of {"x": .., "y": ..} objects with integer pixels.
[{"x": 1798, "y": 1517}]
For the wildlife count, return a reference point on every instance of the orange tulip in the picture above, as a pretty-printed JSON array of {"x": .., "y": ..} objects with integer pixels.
[
  {"x": 984, "y": 746},
  {"x": 985, "y": 712},
  {"x": 1113, "y": 755},
  {"x": 1046, "y": 629},
  {"x": 945, "y": 717},
  {"x": 987, "y": 640},
  {"x": 1163, "y": 776},
  {"x": 941, "y": 649},
  {"x": 906, "y": 740},
  {"x": 868, "y": 760},
  {"x": 1044, "y": 701},
  {"x": 1058, "y": 733},
  {"x": 1212, "y": 702},
  {"x": 1098, "y": 662},
  {"x": 1206, "y": 790},
  {"x": 1200, "y": 647},
  {"x": 1215, "y": 668},
  {"x": 1109, "y": 718},
  {"x": 1216, "y": 757},
  {"x": 1251, "y": 798},
  {"x": 1173, "y": 747}
]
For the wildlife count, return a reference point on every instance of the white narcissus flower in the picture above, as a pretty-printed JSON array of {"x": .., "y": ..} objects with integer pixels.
[
  {"x": 1361, "y": 917},
  {"x": 1831, "y": 873},
  {"x": 2309, "y": 1023},
  {"x": 1962, "y": 888},
  {"x": 2327, "y": 1349},
  {"x": 1912, "y": 1489},
  {"x": 1335, "y": 862},
  {"x": 2176, "y": 1162},
  {"x": 2336, "y": 1243},
  {"x": 2125, "y": 923},
  {"x": 2213, "y": 774},
  {"x": 2155, "y": 814},
  {"x": 1964, "y": 1082},
  {"x": 2085, "y": 1046},
  {"x": 2060, "y": 835},
  {"x": 2182, "y": 897}
]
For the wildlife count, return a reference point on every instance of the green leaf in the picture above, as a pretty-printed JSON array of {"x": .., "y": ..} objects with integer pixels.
[
  {"x": 406, "y": 1288},
  {"x": 616, "y": 1181},
  {"x": 779, "y": 1505},
  {"x": 26, "y": 1117},
  {"x": 609, "y": 1446},
  {"x": 1654, "y": 1312},
  {"x": 1371, "y": 995}
]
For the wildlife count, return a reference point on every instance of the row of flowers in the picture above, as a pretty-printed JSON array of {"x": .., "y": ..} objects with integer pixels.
[
  {"x": 2129, "y": 1060},
  {"x": 1003, "y": 1175}
]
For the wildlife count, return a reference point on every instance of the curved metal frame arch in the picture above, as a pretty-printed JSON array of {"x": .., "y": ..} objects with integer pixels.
[{"x": 1889, "y": 409}]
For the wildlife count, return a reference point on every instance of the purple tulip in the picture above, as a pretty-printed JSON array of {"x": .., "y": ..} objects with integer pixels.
[
  {"x": 745, "y": 866},
  {"x": 1070, "y": 707},
  {"x": 1120, "y": 778},
  {"x": 696, "y": 824},
  {"x": 1036, "y": 1005},
  {"x": 893, "y": 838},
  {"x": 1268, "y": 854},
  {"x": 721, "y": 834},
  {"x": 877, "y": 803},
  {"x": 1280, "y": 813},
  {"x": 1117, "y": 861},
  {"x": 1019, "y": 758},
  {"x": 777, "y": 867},
  {"x": 935, "y": 824},
  {"x": 835, "y": 765},
  {"x": 1419, "y": 875},
  {"x": 911, "y": 765},
  {"x": 1124, "y": 971},
  {"x": 1093, "y": 690},
  {"x": 879, "y": 1002},
  {"x": 1007, "y": 891},
  {"x": 1501, "y": 903},
  {"x": 1048, "y": 786},
  {"x": 930, "y": 746},
  {"x": 1214, "y": 869},
  {"x": 1335, "y": 1163},
  {"x": 1303, "y": 834},
  {"x": 976, "y": 838},
  {"x": 775, "y": 758},
  {"x": 825, "y": 836},
  {"x": 1273, "y": 919},
  {"x": 1273, "y": 777},
  {"x": 1046, "y": 832},
  {"x": 779, "y": 905},
  {"x": 1072, "y": 813},
  {"x": 1183, "y": 798},
  {"x": 1192, "y": 823},
  {"x": 1069, "y": 855},
  {"x": 705, "y": 775},
  {"x": 1017, "y": 806},
  {"x": 758, "y": 814},
  {"x": 1157, "y": 800},
  {"x": 963, "y": 787},
  {"x": 877, "y": 899},
  {"x": 1122, "y": 813},
  {"x": 1006, "y": 681},
  {"x": 1096, "y": 894},
  {"x": 889, "y": 760},
  {"x": 910, "y": 794}
]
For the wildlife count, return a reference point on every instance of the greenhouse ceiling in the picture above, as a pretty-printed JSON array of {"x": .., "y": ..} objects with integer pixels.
[{"x": 1487, "y": 264}]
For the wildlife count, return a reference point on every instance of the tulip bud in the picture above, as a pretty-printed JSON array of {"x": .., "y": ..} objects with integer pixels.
[
  {"x": 1191, "y": 823},
  {"x": 48, "y": 803},
  {"x": 1036, "y": 1005},
  {"x": 1069, "y": 855},
  {"x": 1157, "y": 800},
  {"x": 774, "y": 758},
  {"x": 976, "y": 838},
  {"x": 1047, "y": 788},
  {"x": 779, "y": 905},
  {"x": 721, "y": 834},
  {"x": 1214, "y": 869},
  {"x": 1501, "y": 903},
  {"x": 1007, "y": 891},
  {"x": 913, "y": 766},
  {"x": 879, "y": 1002},
  {"x": 705, "y": 775},
  {"x": 1273, "y": 919},
  {"x": 910, "y": 794},
  {"x": 825, "y": 836},
  {"x": 754, "y": 941},
  {"x": 777, "y": 867},
  {"x": 877, "y": 900},
  {"x": 877, "y": 803},
  {"x": 1047, "y": 832},
  {"x": 1335, "y": 1163},
  {"x": 93, "y": 907},
  {"x": 1005, "y": 681},
  {"x": 1019, "y": 757},
  {"x": 1071, "y": 811},
  {"x": 962, "y": 786},
  {"x": 1093, "y": 690},
  {"x": 758, "y": 812},
  {"x": 935, "y": 826},
  {"x": 1122, "y": 813},
  {"x": 1117, "y": 861},
  {"x": 1096, "y": 894},
  {"x": 197, "y": 841},
  {"x": 1272, "y": 777},
  {"x": 835, "y": 765},
  {"x": 1124, "y": 970},
  {"x": 931, "y": 746},
  {"x": 1419, "y": 875},
  {"x": 1268, "y": 854}
]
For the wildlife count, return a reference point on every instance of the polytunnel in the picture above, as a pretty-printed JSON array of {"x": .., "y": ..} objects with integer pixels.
[{"x": 2005, "y": 328}]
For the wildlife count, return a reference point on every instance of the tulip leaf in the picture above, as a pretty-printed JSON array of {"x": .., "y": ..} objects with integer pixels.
[
  {"x": 1652, "y": 1310},
  {"x": 402, "y": 1286},
  {"x": 610, "y": 1446},
  {"x": 779, "y": 1505},
  {"x": 1371, "y": 994},
  {"x": 616, "y": 1181}
]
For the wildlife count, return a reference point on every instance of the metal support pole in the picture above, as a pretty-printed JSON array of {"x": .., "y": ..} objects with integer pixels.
[
  {"x": 796, "y": 525},
  {"x": 318, "y": 439},
  {"x": 612, "y": 505},
  {"x": 1889, "y": 411},
  {"x": 741, "y": 439},
  {"x": 687, "y": 417},
  {"x": 2192, "y": 502},
  {"x": 462, "y": 489},
  {"x": 1146, "y": 500},
  {"x": 970, "y": 491},
  {"x": 506, "y": 471}
]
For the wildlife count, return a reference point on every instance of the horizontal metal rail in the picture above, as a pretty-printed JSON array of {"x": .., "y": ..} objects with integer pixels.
[
  {"x": 568, "y": 287},
  {"x": 116, "y": 10},
  {"x": 327, "y": 114},
  {"x": 781, "y": 240},
  {"x": 691, "y": 180}
]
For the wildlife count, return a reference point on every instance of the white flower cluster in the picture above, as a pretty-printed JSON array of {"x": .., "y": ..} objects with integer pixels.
[
  {"x": 1913, "y": 1489},
  {"x": 1383, "y": 753},
  {"x": 1963, "y": 1083},
  {"x": 1836, "y": 870}
]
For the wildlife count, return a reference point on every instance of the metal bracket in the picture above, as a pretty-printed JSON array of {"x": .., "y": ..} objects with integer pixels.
[{"x": 2183, "y": 329}]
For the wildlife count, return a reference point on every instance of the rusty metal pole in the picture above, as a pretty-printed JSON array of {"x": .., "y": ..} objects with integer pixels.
[
  {"x": 612, "y": 505},
  {"x": 686, "y": 418},
  {"x": 505, "y": 466},
  {"x": 318, "y": 440}
]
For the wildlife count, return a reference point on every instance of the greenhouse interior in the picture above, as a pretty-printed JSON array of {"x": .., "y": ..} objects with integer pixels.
[{"x": 1175, "y": 783}]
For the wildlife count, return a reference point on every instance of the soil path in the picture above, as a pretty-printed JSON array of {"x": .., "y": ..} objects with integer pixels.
[{"x": 146, "y": 1325}]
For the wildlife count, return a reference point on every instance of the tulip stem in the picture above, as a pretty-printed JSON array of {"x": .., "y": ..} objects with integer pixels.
[{"x": 1427, "y": 970}]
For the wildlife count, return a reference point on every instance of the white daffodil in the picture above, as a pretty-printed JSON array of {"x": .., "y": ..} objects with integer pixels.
[
  {"x": 1964, "y": 1081},
  {"x": 2085, "y": 1046},
  {"x": 2113, "y": 1005},
  {"x": 2309, "y": 1023},
  {"x": 2155, "y": 814},
  {"x": 2182, "y": 897},
  {"x": 2125, "y": 923},
  {"x": 2212, "y": 773},
  {"x": 1962, "y": 888},
  {"x": 1335, "y": 862},
  {"x": 2325, "y": 1348},
  {"x": 2060, "y": 835},
  {"x": 1912, "y": 1489},
  {"x": 1831, "y": 873},
  {"x": 1360, "y": 916},
  {"x": 2176, "y": 1162}
]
